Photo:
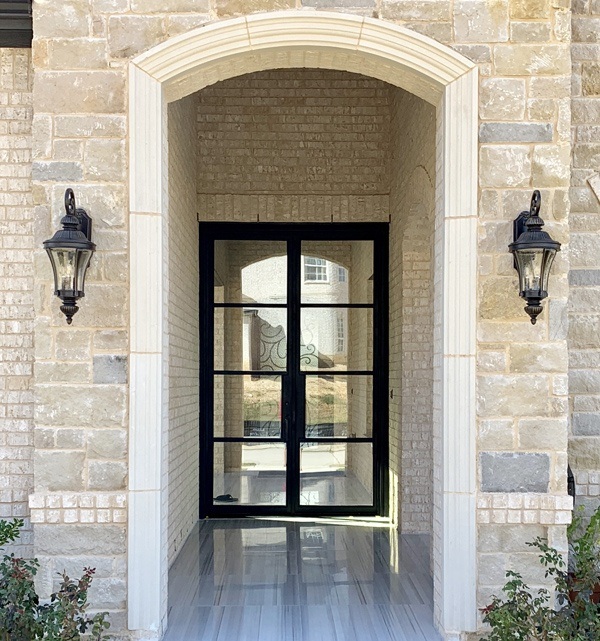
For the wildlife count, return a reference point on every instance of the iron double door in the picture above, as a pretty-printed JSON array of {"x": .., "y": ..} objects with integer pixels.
[{"x": 293, "y": 369}]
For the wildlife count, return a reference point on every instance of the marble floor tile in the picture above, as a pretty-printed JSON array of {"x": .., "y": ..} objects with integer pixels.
[{"x": 269, "y": 580}]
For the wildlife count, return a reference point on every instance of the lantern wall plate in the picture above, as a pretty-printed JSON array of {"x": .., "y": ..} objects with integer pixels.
[{"x": 70, "y": 251}]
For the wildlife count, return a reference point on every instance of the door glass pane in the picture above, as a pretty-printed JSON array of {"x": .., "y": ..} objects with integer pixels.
[
  {"x": 339, "y": 406},
  {"x": 247, "y": 406},
  {"x": 249, "y": 474},
  {"x": 336, "y": 474},
  {"x": 250, "y": 339},
  {"x": 338, "y": 271},
  {"x": 250, "y": 271},
  {"x": 334, "y": 338}
]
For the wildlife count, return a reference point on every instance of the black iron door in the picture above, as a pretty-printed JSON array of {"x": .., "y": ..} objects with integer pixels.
[{"x": 294, "y": 369}]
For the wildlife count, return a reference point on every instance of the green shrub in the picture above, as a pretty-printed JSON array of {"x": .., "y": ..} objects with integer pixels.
[
  {"x": 568, "y": 613},
  {"x": 24, "y": 617}
]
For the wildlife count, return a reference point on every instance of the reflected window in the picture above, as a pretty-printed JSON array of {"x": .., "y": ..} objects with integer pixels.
[
  {"x": 315, "y": 269},
  {"x": 340, "y": 345},
  {"x": 342, "y": 273}
]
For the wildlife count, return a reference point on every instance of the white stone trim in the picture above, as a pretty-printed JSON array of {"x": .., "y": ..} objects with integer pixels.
[{"x": 434, "y": 72}]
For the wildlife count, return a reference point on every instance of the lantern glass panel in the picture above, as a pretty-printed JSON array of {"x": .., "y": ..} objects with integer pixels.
[
  {"x": 530, "y": 269},
  {"x": 549, "y": 255},
  {"x": 63, "y": 264},
  {"x": 83, "y": 261}
]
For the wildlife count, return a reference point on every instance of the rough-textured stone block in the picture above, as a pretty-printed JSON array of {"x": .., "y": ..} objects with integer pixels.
[
  {"x": 130, "y": 35},
  {"x": 105, "y": 160},
  {"x": 586, "y": 425},
  {"x": 99, "y": 406},
  {"x": 110, "y": 369},
  {"x": 481, "y": 21},
  {"x": 340, "y": 4},
  {"x": 546, "y": 434},
  {"x": 515, "y": 132},
  {"x": 56, "y": 171},
  {"x": 110, "y": 340},
  {"x": 505, "y": 166},
  {"x": 551, "y": 166},
  {"x": 503, "y": 472},
  {"x": 531, "y": 59},
  {"x": 70, "y": 92},
  {"x": 56, "y": 471},
  {"x": 582, "y": 381},
  {"x": 584, "y": 277},
  {"x": 169, "y": 6},
  {"x": 584, "y": 453},
  {"x": 529, "y": 9},
  {"x": 496, "y": 434},
  {"x": 501, "y": 395},
  {"x": 82, "y": 540},
  {"x": 65, "y": 19},
  {"x": 106, "y": 475},
  {"x": 590, "y": 79},
  {"x": 432, "y": 10},
  {"x": 507, "y": 538},
  {"x": 77, "y": 53},
  {"x": 528, "y": 358},
  {"x": 241, "y": 7},
  {"x": 586, "y": 29},
  {"x": 108, "y": 593},
  {"x": 109, "y": 444},
  {"x": 502, "y": 99}
]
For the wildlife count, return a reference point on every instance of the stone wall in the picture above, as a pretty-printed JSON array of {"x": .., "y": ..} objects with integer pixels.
[
  {"x": 80, "y": 134},
  {"x": 183, "y": 319},
  {"x": 16, "y": 278},
  {"x": 584, "y": 278}
]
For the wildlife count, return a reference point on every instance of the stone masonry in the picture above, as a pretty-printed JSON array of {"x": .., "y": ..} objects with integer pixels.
[{"x": 64, "y": 424}]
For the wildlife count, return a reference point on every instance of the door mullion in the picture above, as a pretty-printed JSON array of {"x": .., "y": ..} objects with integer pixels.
[{"x": 295, "y": 393}]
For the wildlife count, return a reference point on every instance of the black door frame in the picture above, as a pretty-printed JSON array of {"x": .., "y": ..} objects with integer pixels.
[{"x": 294, "y": 233}]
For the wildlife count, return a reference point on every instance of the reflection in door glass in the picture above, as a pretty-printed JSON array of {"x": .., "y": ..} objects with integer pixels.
[
  {"x": 249, "y": 473},
  {"x": 247, "y": 406},
  {"x": 334, "y": 338},
  {"x": 337, "y": 272},
  {"x": 250, "y": 339},
  {"x": 250, "y": 271},
  {"x": 336, "y": 474},
  {"x": 339, "y": 406}
]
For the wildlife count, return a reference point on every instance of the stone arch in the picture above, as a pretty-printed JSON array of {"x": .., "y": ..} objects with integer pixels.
[{"x": 287, "y": 39}]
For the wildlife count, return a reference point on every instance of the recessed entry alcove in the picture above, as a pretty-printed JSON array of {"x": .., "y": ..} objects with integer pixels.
[{"x": 300, "y": 244}]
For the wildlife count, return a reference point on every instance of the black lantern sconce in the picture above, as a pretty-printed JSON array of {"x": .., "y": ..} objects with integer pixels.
[
  {"x": 534, "y": 251},
  {"x": 70, "y": 251}
]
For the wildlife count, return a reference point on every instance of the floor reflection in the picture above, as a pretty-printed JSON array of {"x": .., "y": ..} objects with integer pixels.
[{"x": 251, "y": 580}]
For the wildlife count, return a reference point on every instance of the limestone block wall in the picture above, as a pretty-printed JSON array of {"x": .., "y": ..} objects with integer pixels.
[
  {"x": 183, "y": 438},
  {"x": 412, "y": 198},
  {"x": 80, "y": 132},
  {"x": 17, "y": 292},
  {"x": 584, "y": 278}
]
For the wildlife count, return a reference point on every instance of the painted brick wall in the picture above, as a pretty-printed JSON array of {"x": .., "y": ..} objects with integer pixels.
[
  {"x": 183, "y": 319},
  {"x": 314, "y": 138},
  {"x": 16, "y": 287},
  {"x": 411, "y": 313}
]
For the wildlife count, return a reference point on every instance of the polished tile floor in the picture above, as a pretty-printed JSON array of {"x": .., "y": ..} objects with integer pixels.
[{"x": 326, "y": 580}]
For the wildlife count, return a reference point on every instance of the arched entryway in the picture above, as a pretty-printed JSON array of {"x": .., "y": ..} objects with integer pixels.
[{"x": 417, "y": 64}]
